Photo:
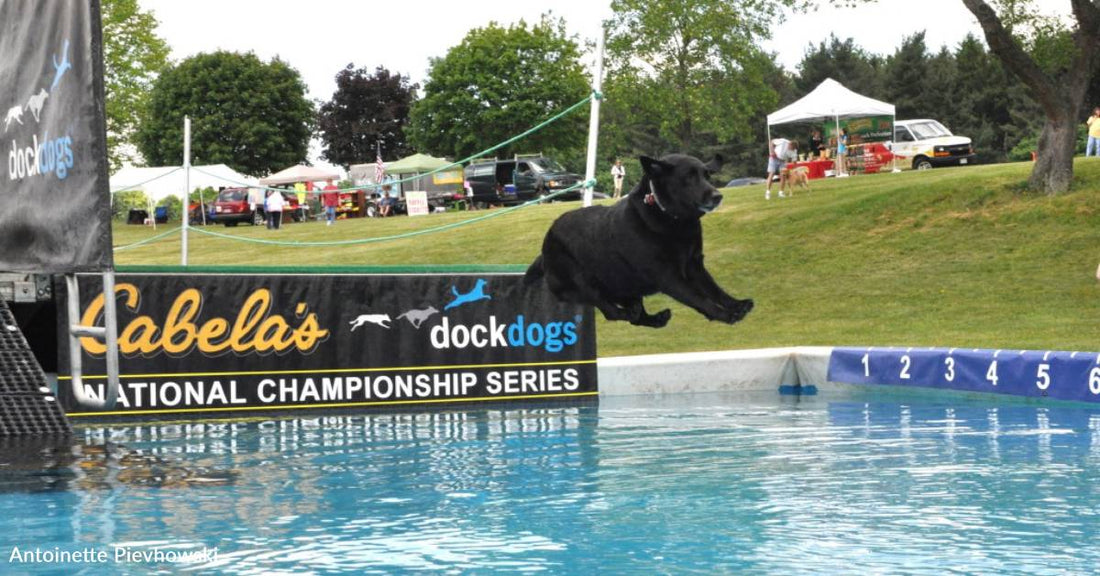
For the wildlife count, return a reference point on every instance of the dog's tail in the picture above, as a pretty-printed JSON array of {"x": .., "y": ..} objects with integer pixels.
[{"x": 535, "y": 272}]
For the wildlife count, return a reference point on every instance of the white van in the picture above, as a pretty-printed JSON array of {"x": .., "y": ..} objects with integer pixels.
[{"x": 927, "y": 143}]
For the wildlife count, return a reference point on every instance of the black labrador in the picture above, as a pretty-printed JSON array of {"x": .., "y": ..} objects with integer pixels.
[{"x": 612, "y": 256}]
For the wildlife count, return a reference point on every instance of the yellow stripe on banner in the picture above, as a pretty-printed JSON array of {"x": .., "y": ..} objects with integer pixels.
[
  {"x": 338, "y": 370},
  {"x": 316, "y": 406}
]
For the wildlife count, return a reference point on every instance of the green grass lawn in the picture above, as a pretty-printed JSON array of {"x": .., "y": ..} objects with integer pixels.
[{"x": 951, "y": 257}]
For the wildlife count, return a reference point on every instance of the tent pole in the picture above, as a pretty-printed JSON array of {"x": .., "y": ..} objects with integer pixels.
[
  {"x": 769, "y": 143},
  {"x": 186, "y": 185},
  {"x": 837, "y": 161},
  {"x": 593, "y": 122},
  {"x": 893, "y": 143}
]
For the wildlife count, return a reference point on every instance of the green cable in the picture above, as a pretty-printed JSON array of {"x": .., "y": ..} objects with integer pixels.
[
  {"x": 135, "y": 186},
  {"x": 398, "y": 236},
  {"x": 530, "y": 131},
  {"x": 146, "y": 241}
]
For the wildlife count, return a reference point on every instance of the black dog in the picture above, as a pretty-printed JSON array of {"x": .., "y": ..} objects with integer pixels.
[{"x": 611, "y": 257}]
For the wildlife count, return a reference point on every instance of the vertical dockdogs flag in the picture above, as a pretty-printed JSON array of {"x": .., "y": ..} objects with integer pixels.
[
  {"x": 54, "y": 190},
  {"x": 219, "y": 344}
]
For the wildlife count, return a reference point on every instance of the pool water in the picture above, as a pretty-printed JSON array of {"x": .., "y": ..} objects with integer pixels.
[{"x": 684, "y": 484}]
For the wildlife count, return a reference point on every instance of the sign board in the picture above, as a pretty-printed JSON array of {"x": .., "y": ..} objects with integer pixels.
[
  {"x": 214, "y": 344},
  {"x": 448, "y": 177},
  {"x": 1034, "y": 373},
  {"x": 54, "y": 190},
  {"x": 861, "y": 130},
  {"x": 417, "y": 203}
]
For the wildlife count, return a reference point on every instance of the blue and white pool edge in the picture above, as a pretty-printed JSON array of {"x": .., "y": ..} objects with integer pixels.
[{"x": 806, "y": 369}]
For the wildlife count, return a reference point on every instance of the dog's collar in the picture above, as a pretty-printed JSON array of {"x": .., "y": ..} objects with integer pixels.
[{"x": 651, "y": 199}]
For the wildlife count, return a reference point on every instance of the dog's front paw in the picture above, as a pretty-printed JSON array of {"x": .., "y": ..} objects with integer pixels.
[{"x": 739, "y": 310}]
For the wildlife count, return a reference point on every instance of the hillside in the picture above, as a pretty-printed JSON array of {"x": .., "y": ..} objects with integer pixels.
[{"x": 952, "y": 257}]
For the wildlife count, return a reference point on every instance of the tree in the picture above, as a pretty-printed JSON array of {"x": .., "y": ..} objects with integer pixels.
[
  {"x": 1055, "y": 64},
  {"x": 365, "y": 109},
  {"x": 692, "y": 66},
  {"x": 842, "y": 61},
  {"x": 498, "y": 83},
  {"x": 133, "y": 55},
  {"x": 906, "y": 75},
  {"x": 250, "y": 115}
]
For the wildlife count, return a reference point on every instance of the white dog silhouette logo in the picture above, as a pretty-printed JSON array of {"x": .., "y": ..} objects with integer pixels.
[
  {"x": 36, "y": 102},
  {"x": 382, "y": 320}
]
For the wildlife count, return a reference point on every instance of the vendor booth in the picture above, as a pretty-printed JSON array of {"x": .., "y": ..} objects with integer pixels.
[{"x": 832, "y": 106}]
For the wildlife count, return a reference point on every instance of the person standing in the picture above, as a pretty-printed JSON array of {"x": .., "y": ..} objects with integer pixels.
[
  {"x": 330, "y": 199},
  {"x": 842, "y": 154},
  {"x": 274, "y": 208},
  {"x": 618, "y": 174},
  {"x": 780, "y": 152},
  {"x": 1093, "y": 146},
  {"x": 817, "y": 146}
]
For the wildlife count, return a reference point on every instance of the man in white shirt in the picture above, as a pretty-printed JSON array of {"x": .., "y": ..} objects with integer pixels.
[
  {"x": 780, "y": 152},
  {"x": 274, "y": 208}
]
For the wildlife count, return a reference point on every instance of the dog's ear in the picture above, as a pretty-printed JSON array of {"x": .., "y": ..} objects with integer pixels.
[
  {"x": 655, "y": 168},
  {"x": 715, "y": 164}
]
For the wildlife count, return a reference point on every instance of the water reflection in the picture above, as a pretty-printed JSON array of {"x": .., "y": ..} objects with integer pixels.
[
  {"x": 706, "y": 484},
  {"x": 60, "y": 463}
]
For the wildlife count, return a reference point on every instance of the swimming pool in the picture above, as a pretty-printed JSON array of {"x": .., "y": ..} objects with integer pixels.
[{"x": 698, "y": 483}]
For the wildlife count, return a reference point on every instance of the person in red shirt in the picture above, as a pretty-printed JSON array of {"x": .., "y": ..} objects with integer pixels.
[{"x": 330, "y": 199}]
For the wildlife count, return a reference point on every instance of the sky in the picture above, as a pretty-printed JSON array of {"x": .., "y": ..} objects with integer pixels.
[{"x": 319, "y": 38}]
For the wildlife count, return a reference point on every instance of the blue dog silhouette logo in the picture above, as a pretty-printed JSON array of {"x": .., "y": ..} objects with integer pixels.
[{"x": 478, "y": 293}]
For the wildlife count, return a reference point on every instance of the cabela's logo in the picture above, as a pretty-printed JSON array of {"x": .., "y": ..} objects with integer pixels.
[{"x": 255, "y": 329}]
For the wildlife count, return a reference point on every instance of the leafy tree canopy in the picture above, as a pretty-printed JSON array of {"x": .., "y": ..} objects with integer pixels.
[
  {"x": 691, "y": 67},
  {"x": 251, "y": 115},
  {"x": 498, "y": 83},
  {"x": 133, "y": 55},
  {"x": 366, "y": 110}
]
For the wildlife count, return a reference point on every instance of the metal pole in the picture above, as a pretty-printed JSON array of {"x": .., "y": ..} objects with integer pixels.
[
  {"x": 186, "y": 185},
  {"x": 110, "y": 325},
  {"x": 838, "y": 161},
  {"x": 893, "y": 143},
  {"x": 594, "y": 121}
]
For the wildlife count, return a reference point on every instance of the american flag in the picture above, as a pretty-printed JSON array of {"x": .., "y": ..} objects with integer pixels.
[{"x": 379, "y": 169}]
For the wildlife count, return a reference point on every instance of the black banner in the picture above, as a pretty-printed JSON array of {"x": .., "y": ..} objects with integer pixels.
[
  {"x": 209, "y": 344},
  {"x": 54, "y": 191}
]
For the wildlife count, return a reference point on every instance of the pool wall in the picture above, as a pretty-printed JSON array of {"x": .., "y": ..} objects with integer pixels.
[
  {"x": 1028, "y": 375},
  {"x": 764, "y": 369}
]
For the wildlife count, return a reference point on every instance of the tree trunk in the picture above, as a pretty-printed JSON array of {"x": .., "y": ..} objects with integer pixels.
[
  {"x": 1060, "y": 96},
  {"x": 1053, "y": 171}
]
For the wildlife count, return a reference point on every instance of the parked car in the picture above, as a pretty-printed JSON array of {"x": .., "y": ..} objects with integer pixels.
[
  {"x": 747, "y": 181},
  {"x": 517, "y": 180},
  {"x": 927, "y": 144},
  {"x": 236, "y": 205}
]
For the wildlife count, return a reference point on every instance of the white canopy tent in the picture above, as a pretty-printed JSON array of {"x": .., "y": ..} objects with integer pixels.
[
  {"x": 829, "y": 101},
  {"x": 162, "y": 181},
  {"x": 299, "y": 173}
]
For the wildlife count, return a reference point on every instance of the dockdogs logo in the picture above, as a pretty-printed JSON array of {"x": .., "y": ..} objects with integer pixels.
[
  {"x": 496, "y": 332},
  {"x": 45, "y": 155}
]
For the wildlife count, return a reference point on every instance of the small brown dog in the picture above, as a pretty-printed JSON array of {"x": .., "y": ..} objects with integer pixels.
[{"x": 798, "y": 177}]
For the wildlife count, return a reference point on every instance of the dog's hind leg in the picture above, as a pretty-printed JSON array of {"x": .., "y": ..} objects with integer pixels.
[{"x": 639, "y": 317}]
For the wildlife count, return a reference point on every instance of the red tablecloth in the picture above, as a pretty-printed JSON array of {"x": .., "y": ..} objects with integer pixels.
[{"x": 816, "y": 168}]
